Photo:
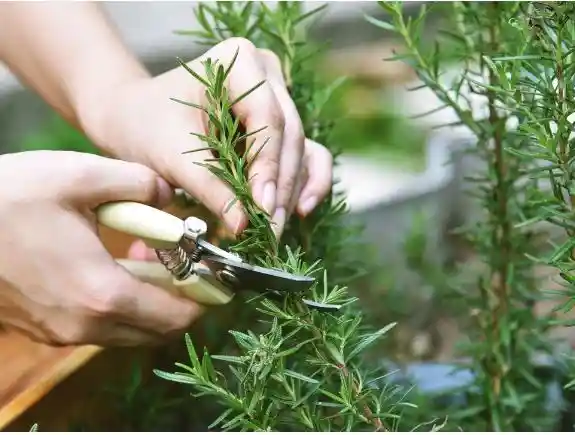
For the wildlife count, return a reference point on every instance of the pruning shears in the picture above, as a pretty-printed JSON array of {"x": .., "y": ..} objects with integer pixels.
[{"x": 189, "y": 264}]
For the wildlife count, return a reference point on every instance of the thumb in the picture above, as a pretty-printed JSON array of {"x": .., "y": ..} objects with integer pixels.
[{"x": 104, "y": 180}]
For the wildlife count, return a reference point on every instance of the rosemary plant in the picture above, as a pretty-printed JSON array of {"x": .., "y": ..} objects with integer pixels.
[
  {"x": 504, "y": 81},
  {"x": 304, "y": 369},
  {"x": 546, "y": 103}
]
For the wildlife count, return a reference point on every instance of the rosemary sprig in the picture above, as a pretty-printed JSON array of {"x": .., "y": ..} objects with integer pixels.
[{"x": 271, "y": 379}]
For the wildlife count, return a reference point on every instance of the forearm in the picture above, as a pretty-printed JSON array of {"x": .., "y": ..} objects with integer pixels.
[{"x": 67, "y": 52}]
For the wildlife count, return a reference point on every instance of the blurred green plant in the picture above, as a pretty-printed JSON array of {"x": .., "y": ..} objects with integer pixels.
[
  {"x": 144, "y": 407},
  {"x": 515, "y": 69},
  {"x": 57, "y": 134},
  {"x": 379, "y": 132}
]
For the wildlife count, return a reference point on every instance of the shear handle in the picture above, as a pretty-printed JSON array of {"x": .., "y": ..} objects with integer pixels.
[
  {"x": 160, "y": 230},
  {"x": 196, "y": 287}
]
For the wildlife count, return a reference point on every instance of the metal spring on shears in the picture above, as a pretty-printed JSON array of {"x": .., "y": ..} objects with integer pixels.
[{"x": 177, "y": 261}]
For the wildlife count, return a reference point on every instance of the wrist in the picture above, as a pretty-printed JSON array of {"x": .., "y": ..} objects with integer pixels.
[
  {"x": 93, "y": 76},
  {"x": 80, "y": 53},
  {"x": 98, "y": 104}
]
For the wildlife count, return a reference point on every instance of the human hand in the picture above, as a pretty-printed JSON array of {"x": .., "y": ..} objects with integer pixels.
[
  {"x": 58, "y": 284},
  {"x": 137, "y": 121}
]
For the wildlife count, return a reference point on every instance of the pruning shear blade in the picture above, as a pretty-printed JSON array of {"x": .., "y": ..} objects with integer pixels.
[
  {"x": 239, "y": 275},
  {"x": 250, "y": 277}
]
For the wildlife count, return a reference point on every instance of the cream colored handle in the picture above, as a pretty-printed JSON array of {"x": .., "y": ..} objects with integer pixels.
[
  {"x": 160, "y": 230},
  {"x": 195, "y": 287}
]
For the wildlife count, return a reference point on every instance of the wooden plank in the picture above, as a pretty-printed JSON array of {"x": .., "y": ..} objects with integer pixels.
[
  {"x": 75, "y": 398},
  {"x": 37, "y": 369}
]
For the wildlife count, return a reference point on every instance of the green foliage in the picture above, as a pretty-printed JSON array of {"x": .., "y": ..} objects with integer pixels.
[
  {"x": 57, "y": 134},
  {"x": 299, "y": 369},
  {"x": 143, "y": 407},
  {"x": 304, "y": 369},
  {"x": 384, "y": 136},
  {"x": 516, "y": 69},
  {"x": 546, "y": 105},
  {"x": 375, "y": 130}
]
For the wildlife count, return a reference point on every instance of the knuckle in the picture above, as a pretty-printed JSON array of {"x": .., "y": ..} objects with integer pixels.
[
  {"x": 276, "y": 119},
  {"x": 85, "y": 174},
  {"x": 271, "y": 59},
  {"x": 189, "y": 317},
  {"x": 74, "y": 333},
  {"x": 293, "y": 125},
  {"x": 285, "y": 190},
  {"x": 327, "y": 156},
  {"x": 244, "y": 45},
  {"x": 182, "y": 322},
  {"x": 293, "y": 122},
  {"x": 148, "y": 182},
  {"x": 318, "y": 152},
  {"x": 266, "y": 165},
  {"x": 298, "y": 135},
  {"x": 106, "y": 298}
]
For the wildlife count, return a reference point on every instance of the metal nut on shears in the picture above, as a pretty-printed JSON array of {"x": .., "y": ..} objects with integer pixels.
[
  {"x": 227, "y": 277},
  {"x": 177, "y": 260},
  {"x": 194, "y": 228}
]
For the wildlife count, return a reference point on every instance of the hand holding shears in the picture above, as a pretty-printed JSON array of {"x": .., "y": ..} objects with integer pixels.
[{"x": 189, "y": 264}]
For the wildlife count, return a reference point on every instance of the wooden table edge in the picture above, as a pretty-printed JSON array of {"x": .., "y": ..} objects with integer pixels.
[{"x": 59, "y": 371}]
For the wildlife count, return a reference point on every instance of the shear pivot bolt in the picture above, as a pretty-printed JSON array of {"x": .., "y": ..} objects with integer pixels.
[
  {"x": 194, "y": 228},
  {"x": 227, "y": 277}
]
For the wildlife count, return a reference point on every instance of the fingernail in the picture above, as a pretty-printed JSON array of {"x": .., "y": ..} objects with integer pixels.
[
  {"x": 269, "y": 197},
  {"x": 235, "y": 218},
  {"x": 307, "y": 205},
  {"x": 278, "y": 221},
  {"x": 238, "y": 223}
]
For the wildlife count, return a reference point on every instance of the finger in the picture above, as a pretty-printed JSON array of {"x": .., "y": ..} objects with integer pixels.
[
  {"x": 99, "y": 179},
  {"x": 292, "y": 142},
  {"x": 113, "y": 293},
  {"x": 65, "y": 331},
  {"x": 140, "y": 251},
  {"x": 25, "y": 328},
  {"x": 122, "y": 335},
  {"x": 206, "y": 187},
  {"x": 260, "y": 109},
  {"x": 302, "y": 180},
  {"x": 154, "y": 309},
  {"x": 319, "y": 183},
  {"x": 300, "y": 183},
  {"x": 180, "y": 156}
]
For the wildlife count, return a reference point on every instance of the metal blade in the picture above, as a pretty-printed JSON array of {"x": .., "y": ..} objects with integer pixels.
[
  {"x": 244, "y": 276},
  {"x": 328, "y": 308}
]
